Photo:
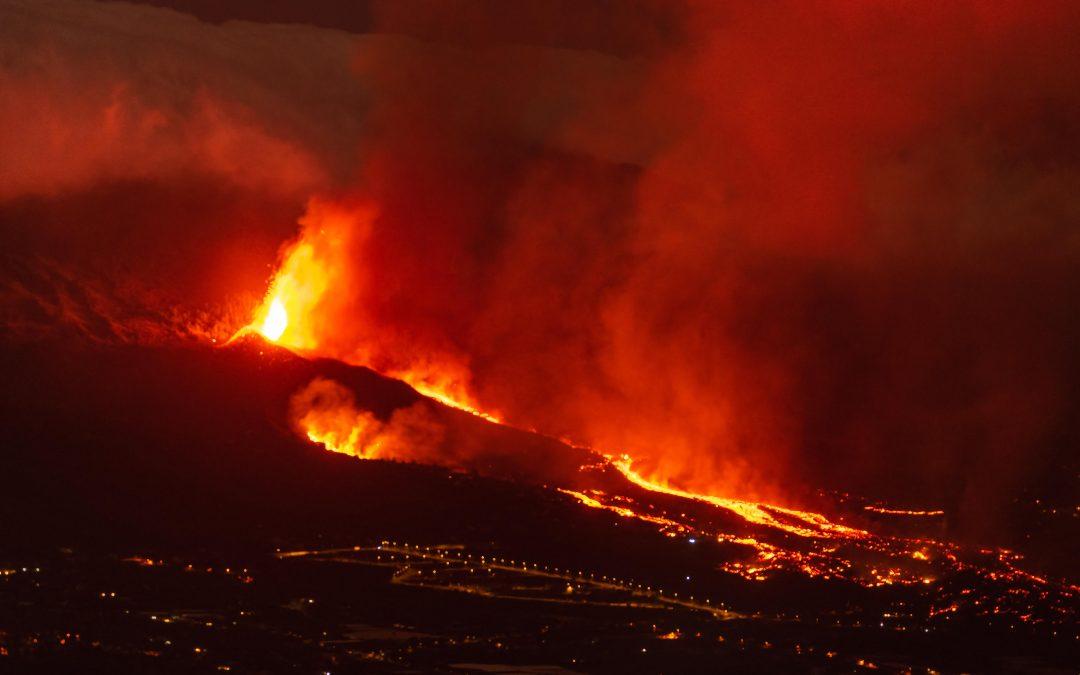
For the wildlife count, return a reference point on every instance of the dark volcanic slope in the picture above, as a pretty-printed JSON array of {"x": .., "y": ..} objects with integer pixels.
[
  {"x": 185, "y": 455},
  {"x": 182, "y": 444}
]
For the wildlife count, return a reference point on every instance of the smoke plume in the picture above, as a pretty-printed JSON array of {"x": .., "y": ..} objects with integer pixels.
[{"x": 756, "y": 245}]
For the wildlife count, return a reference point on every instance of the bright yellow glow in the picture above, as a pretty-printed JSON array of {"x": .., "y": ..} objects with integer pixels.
[
  {"x": 275, "y": 322},
  {"x": 806, "y": 524}
]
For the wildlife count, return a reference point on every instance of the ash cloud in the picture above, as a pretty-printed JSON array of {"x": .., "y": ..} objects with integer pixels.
[
  {"x": 763, "y": 245},
  {"x": 826, "y": 244},
  {"x": 146, "y": 153}
]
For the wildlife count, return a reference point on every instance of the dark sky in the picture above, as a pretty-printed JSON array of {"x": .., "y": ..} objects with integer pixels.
[
  {"x": 622, "y": 27},
  {"x": 353, "y": 16}
]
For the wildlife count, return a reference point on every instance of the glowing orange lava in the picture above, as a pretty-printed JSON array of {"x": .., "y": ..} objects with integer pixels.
[
  {"x": 307, "y": 275},
  {"x": 298, "y": 286},
  {"x": 783, "y": 538},
  {"x": 301, "y": 297},
  {"x": 276, "y": 321},
  {"x": 327, "y": 414},
  {"x": 443, "y": 395},
  {"x": 813, "y": 524}
]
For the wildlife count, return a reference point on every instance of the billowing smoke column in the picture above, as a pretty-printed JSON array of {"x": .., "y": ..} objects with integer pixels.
[{"x": 754, "y": 245}]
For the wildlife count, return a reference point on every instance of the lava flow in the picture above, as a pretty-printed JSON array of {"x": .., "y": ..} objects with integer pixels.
[
  {"x": 771, "y": 540},
  {"x": 335, "y": 423},
  {"x": 629, "y": 308}
]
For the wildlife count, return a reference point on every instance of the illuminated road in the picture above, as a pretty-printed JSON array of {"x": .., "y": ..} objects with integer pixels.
[{"x": 452, "y": 569}]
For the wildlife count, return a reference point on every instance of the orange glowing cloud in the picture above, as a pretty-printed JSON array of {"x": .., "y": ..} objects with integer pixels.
[{"x": 325, "y": 412}]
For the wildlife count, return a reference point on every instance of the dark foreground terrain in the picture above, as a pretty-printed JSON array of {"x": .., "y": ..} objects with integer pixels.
[{"x": 160, "y": 515}]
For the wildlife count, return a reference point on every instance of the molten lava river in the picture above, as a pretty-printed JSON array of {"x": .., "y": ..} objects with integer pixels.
[{"x": 870, "y": 545}]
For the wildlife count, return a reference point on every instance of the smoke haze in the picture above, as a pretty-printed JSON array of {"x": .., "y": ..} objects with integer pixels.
[{"x": 756, "y": 245}]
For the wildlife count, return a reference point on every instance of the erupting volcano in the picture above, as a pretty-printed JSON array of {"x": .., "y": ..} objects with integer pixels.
[
  {"x": 326, "y": 413},
  {"x": 539, "y": 337}
]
